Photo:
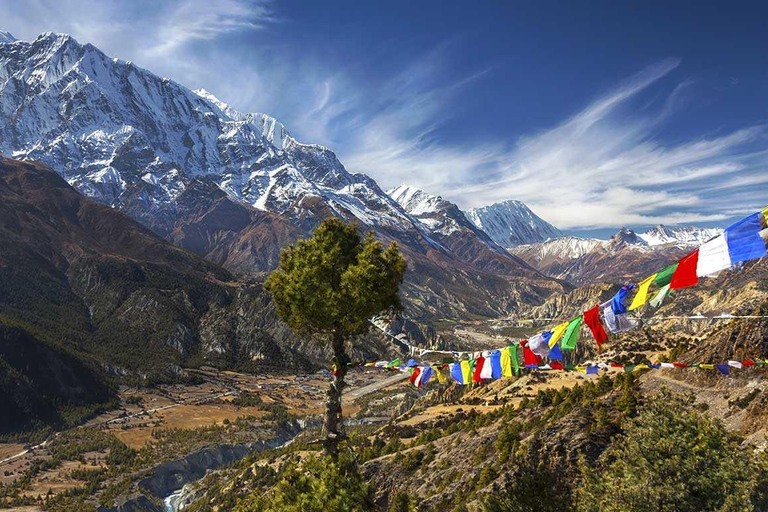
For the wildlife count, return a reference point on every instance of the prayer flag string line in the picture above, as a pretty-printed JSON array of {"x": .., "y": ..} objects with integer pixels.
[{"x": 743, "y": 241}]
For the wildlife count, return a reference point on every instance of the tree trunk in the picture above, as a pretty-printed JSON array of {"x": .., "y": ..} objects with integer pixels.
[{"x": 333, "y": 425}]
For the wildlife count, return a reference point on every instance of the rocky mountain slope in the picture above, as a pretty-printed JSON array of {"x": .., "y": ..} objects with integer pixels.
[
  {"x": 511, "y": 223},
  {"x": 88, "y": 292},
  {"x": 230, "y": 186}
]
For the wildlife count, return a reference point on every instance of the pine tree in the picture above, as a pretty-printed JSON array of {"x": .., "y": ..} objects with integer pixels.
[{"x": 329, "y": 286}]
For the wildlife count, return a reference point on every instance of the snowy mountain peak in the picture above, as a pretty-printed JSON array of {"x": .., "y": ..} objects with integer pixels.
[
  {"x": 6, "y": 37},
  {"x": 119, "y": 133},
  {"x": 416, "y": 201},
  {"x": 682, "y": 235},
  {"x": 511, "y": 223},
  {"x": 627, "y": 236}
]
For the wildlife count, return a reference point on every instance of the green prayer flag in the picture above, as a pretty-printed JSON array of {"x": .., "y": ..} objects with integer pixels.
[
  {"x": 664, "y": 277},
  {"x": 629, "y": 368},
  {"x": 513, "y": 355},
  {"x": 569, "y": 367},
  {"x": 571, "y": 335}
]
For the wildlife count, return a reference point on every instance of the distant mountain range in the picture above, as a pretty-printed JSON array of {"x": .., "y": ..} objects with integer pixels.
[{"x": 626, "y": 255}]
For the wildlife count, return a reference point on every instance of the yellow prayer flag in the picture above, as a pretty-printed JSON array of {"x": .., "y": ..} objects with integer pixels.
[
  {"x": 557, "y": 333},
  {"x": 765, "y": 213},
  {"x": 641, "y": 297},
  {"x": 642, "y": 367},
  {"x": 707, "y": 366},
  {"x": 466, "y": 372},
  {"x": 441, "y": 376},
  {"x": 582, "y": 369},
  {"x": 506, "y": 362}
]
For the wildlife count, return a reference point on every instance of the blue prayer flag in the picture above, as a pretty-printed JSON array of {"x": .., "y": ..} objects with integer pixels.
[
  {"x": 591, "y": 370},
  {"x": 496, "y": 364},
  {"x": 555, "y": 354},
  {"x": 723, "y": 368},
  {"x": 456, "y": 373},
  {"x": 744, "y": 241},
  {"x": 617, "y": 303},
  {"x": 426, "y": 374}
]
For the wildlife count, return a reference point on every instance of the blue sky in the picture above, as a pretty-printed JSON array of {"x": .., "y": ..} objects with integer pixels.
[{"x": 596, "y": 114}]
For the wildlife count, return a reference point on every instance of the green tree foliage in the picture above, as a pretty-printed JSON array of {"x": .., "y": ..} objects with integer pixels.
[
  {"x": 329, "y": 286},
  {"x": 334, "y": 282},
  {"x": 672, "y": 458},
  {"x": 531, "y": 488},
  {"x": 317, "y": 485}
]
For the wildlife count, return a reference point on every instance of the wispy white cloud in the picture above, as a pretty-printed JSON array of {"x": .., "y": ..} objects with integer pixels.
[{"x": 602, "y": 167}]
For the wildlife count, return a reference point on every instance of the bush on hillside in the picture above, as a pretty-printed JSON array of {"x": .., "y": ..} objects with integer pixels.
[
  {"x": 672, "y": 458},
  {"x": 316, "y": 485}
]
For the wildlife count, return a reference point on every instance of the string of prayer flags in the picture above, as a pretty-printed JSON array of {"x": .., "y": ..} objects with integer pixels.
[
  {"x": 571, "y": 335},
  {"x": 592, "y": 319},
  {"x": 557, "y": 332},
  {"x": 744, "y": 240},
  {"x": 641, "y": 297},
  {"x": 685, "y": 273}
]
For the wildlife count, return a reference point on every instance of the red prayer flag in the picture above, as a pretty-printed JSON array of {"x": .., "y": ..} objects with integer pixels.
[
  {"x": 555, "y": 365},
  {"x": 748, "y": 362},
  {"x": 685, "y": 273},
  {"x": 415, "y": 375},
  {"x": 680, "y": 365},
  {"x": 617, "y": 365},
  {"x": 530, "y": 357},
  {"x": 592, "y": 319},
  {"x": 478, "y": 368}
]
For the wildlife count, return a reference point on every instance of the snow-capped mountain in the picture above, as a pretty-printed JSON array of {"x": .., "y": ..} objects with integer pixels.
[
  {"x": 511, "y": 223},
  {"x": 6, "y": 37},
  {"x": 452, "y": 229},
  {"x": 624, "y": 256},
  {"x": 113, "y": 130},
  {"x": 555, "y": 250},
  {"x": 233, "y": 187},
  {"x": 682, "y": 235}
]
